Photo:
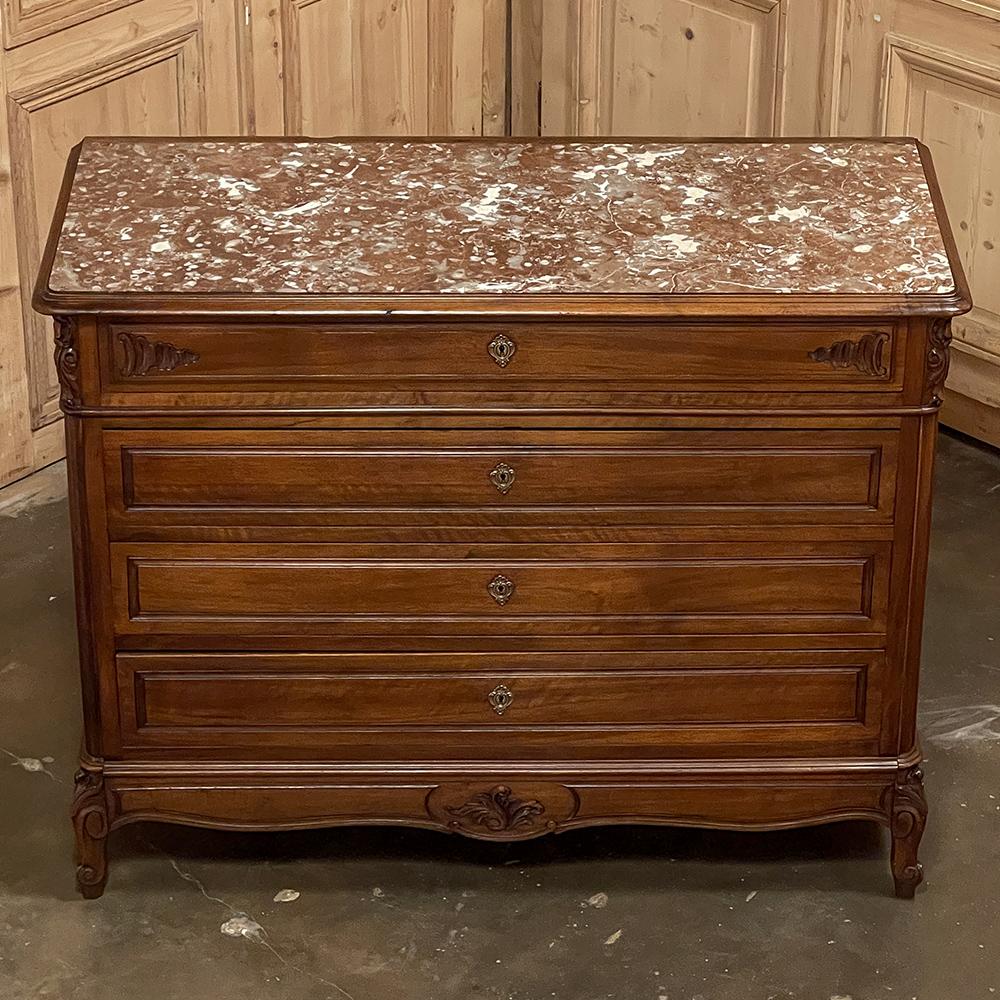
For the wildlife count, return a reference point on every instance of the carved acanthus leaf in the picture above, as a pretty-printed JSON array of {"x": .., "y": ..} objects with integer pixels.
[
  {"x": 497, "y": 810},
  {"x": 865, "y": 354},
  {"x": 140, "y": 355}
]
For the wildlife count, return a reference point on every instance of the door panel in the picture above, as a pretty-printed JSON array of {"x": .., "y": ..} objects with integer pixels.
[
  {"x": 141, "y": 69},
  {"x": 932, "y": 70},
  {"x": 953, "y": 104},
  {"x": 659, "y": 67},
  {"x": 380, "y": 67}
]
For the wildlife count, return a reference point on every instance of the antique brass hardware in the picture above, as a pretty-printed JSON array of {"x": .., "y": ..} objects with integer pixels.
[
  {"x": 503, "y": 476},
  {"x": 500, "y": 698},
  {"x": 502, "y": 349},
  {"x": 501, "y": 589}
]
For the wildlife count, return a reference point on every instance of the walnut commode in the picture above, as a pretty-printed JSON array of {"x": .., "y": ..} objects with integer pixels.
[{"x": 501, "y": 488}]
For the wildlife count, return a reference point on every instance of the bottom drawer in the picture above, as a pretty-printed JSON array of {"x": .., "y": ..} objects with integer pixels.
[{"x": 494, "y": 705}]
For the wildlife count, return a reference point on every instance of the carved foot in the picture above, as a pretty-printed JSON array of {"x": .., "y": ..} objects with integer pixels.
[
  {"x": 908, "y": 817},
  {"x": 90, "y": 824}
]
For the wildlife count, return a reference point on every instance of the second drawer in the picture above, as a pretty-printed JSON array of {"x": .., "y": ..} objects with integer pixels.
[{"x": 503, "y": 477}]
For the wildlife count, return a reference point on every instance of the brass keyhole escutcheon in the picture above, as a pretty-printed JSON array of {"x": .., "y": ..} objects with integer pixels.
[
  {"x": 501, "y": 698},
  {"x": 502, "y": 477},
  {"x": 501, "y": 589},
  {"x": 502, "y": 349}
]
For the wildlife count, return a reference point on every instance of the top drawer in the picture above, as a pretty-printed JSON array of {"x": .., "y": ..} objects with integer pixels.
[{"x": 553, "y": 357}]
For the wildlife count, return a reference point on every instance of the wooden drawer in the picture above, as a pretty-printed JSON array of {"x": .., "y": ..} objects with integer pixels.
[
  {"x": 468, "y": 703},
  {"x": 219, "y": 357},
  {"x": 737, "y": 587},
  {"x": 508, "y": 478}
]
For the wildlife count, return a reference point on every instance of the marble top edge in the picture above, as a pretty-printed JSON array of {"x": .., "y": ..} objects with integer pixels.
[{"x": 468, "y": 218}]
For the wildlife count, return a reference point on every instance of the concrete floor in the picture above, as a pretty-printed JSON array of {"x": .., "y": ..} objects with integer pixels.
[{"x": 630, "y": 914}]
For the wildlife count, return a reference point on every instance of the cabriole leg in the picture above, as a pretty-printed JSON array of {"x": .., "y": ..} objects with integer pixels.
[
  {"x": 90, "y": 825},
  {"x": 909, "y": 816}
]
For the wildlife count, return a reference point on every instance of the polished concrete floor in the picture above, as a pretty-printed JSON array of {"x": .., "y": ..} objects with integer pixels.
[{"x": 629, "y": 914}]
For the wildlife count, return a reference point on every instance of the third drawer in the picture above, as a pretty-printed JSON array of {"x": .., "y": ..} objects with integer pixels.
[{"x": 778, "y": 587}]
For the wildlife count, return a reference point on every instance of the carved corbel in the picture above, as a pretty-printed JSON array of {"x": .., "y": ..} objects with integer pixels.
[
  {"x": 938, "y": 353},
  {"x": 67, "y": 358}
]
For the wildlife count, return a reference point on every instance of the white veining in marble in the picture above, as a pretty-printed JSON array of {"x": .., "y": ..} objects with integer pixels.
[{"x": 409, "y": 217}]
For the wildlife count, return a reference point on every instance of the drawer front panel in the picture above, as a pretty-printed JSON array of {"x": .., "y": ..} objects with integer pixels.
[
  {"x": 144, "y": 357},
  {"x": 320, "y": 700},
  {"x": 673, "y": 588},
  {"x": 635, "y": 477}
]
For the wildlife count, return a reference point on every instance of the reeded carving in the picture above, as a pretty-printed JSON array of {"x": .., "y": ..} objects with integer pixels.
[
  {"x": 497, "y": 811},
  {"x": 908, "y": 816},
  {"x": 91, "y": 825},
  {"x": 938, "y": 354},
  {"x": 865, "y": 354},
  {"x": 67, "y": 363},
  {"x": 501, "y": 589},
  {"x": 140, "y": 355}
]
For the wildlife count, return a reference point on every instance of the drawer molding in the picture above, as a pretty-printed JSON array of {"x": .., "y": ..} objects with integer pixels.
[
  {"x": 178, "y": 587},
  {"x": 474, "y": 705},
  {"x": 519, "y": 477},
  {"x": 751, "y": 357}
]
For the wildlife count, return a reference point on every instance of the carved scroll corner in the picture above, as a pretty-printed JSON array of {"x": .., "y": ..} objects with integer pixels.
[
  {"x": 67, "y": 361},
  {"x": 909, "y": 802},
  {"x": 938, "y": 360},
  {"x": 92, "y": 815},
  {"x": 906, "y": 805},
  {"x": 140, "y": 355}
]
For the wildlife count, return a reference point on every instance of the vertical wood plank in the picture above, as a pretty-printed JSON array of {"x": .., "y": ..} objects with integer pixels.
[
  {"x": 496, "y": 92},
  {"x": 526, "y": 42},
  {"x": 265, "y": 69},
  {"x": 808, "y": 57},
  {"x": 16, "y": 448}
]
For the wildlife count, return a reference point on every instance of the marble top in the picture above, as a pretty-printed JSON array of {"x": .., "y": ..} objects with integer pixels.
[{"x": 378, "y": 217}]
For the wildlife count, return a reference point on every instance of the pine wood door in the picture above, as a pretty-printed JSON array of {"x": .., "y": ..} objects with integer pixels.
[
  {"x": 932, "y": 69},
  {"x": 647, "y": 67},
  {"x": 377, "y": 67},
  {"x": 73, "y": 68}
]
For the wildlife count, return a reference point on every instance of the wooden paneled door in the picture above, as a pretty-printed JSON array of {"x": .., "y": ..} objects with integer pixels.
[
  {"x": 73, "y": 68},
  {"x": 651, "y": 67},
  {"x": 933, "y": 70},
  {"x": 207, "y": 67}
]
